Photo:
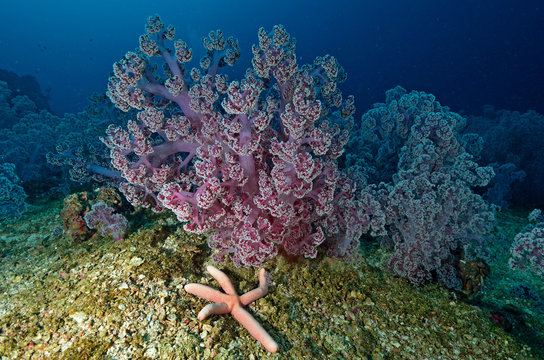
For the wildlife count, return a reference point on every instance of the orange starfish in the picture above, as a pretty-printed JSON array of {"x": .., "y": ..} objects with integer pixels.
[{"x": 232, "y": 303}]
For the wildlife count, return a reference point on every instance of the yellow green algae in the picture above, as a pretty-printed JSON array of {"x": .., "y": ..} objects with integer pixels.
[{"x": 102, "y": 299}]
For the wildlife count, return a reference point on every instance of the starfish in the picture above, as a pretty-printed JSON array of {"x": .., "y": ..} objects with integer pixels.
[{"x": 231, "y": 302}]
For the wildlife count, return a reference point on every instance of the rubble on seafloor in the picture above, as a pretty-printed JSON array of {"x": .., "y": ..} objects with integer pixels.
[{"x": 101, "y": 299}]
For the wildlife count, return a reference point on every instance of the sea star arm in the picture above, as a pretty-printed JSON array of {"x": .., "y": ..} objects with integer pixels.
[
  {"x": 206, "y": 292},
  {"x": 256, "y": 293},
  {"x": 222, "y": 279},
  {"x": 215, "y": 308},
  {"x": 254, "y": 328}
]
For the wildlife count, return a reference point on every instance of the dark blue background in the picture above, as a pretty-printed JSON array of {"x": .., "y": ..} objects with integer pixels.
[{"x": 468, "y": 53}]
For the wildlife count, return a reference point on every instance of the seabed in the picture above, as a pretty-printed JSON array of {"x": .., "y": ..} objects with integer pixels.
[{"x": 101, "y": 299}]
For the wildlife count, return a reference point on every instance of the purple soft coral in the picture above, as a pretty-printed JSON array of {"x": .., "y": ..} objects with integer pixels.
[
  {"x": 102, "y": 218},
  {"x": 528, "y": 247}
]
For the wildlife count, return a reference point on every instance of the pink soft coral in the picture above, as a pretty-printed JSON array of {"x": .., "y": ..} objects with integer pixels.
[{"x": 252, "y": 162}]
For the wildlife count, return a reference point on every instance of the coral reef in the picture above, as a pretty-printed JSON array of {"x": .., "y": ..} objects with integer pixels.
[
  {"x": 239, "y": 171},
  {"x": 528, "y": 247},
  {"x": 12, "y": 195},
  {"x": 35, "y": 139},
  {"x": 26, "y": 85}
]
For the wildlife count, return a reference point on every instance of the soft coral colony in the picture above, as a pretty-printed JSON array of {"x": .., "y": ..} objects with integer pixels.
[{"x": 253, "y": 162}]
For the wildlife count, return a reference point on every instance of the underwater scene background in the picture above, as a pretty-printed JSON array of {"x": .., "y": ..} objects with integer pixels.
[{"x": 366, "y": 175}]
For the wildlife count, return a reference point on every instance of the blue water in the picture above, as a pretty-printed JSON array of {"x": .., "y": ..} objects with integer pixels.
[{"x": 467, "y": 53}]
